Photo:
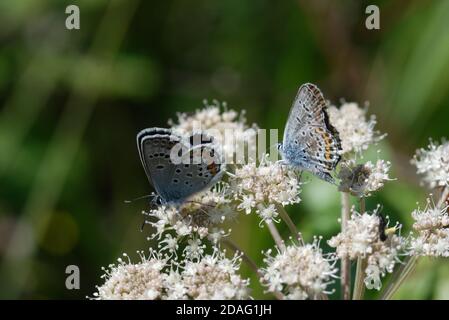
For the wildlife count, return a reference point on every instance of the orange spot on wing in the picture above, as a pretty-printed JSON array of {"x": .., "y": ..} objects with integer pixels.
[
  {"x": 212, "y": 168},
  {"x": 328, "y": 143}
]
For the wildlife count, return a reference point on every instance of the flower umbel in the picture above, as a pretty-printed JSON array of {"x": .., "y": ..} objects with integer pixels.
[
  {"x": 433, "y": 164},
  {"x": 214, "y": 277},
  {"x": 207, "y": 277},
  {"x": 127, "y": 281},
  {"x": 206, "y": 211},
  {"x": 364, "y": 237},
  {"x": 299, "y": 271},
  {"x": 432, "y": 227},
  {"x": 356, "y": 132},
  {"x": 220, "y": 122},
  {"x": 260, "y": 186}
]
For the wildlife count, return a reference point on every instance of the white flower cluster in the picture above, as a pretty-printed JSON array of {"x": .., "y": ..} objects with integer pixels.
[
  {"x": 202, "y": 216},
  {"x": 264, "y": 186},
  {"x": 300, "y": 271},
  {"x": 209, "y": 277},
  {"x": 433, "y": 164},
  {"x": 229, "y": 128},
  {"x": 252, "y": 187},
  {"x": 432, "y": 226},
  {"x": 363, "y": 179},
  {"x": 214, "y": 277},
  {"x": 364, "y": 237},
  {"x": 127, "y": 281},
  {"x": 356, "y": 132}
]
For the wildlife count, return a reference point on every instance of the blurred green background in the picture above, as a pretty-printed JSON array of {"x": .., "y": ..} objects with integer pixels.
[{"x": 72, "y": 102}]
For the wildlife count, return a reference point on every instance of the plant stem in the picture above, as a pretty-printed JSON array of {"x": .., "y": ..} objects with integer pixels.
[
  {"x": 250, "y": 262},
  {"x": 362, "y": 205},
  {"x": 275, "y": 234},
  {"x": 444, "y": 194},
  {"x": 359, "y": 286},
  {"x": 345, "y": 272},
  {"x": 399, "y": 276},
  {"x": 288, "y": 221}
]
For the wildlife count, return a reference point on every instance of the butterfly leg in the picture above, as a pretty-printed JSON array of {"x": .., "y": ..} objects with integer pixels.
[{"x": 282, "y": 162}]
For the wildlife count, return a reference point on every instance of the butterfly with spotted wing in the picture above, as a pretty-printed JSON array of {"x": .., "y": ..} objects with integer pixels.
[
  {"x": 310, "y": 142},
  {"x": 176, "y": 181}
]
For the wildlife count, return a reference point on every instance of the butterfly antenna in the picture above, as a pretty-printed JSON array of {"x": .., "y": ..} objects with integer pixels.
[{"x": 139, "y": 198}]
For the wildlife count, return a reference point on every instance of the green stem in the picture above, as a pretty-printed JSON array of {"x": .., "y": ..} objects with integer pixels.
[
  {"x": 290, "y": 224},
  {"x": 399, "y": 277},
  {"x": 410, "y": 262},
  {"x": 275, "y": 234},
  {"x": 359, "y": 285},
  {"x": 362, "y": 205},
  {"x": 345, "y": 272}
]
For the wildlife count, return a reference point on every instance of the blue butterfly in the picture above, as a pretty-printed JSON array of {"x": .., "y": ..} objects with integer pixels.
[
  {"x": 176, "y": 181},
  {"x": 310, "y": 142}
]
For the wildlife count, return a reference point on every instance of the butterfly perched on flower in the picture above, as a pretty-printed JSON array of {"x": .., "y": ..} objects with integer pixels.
[
  {"x": 310, "y": 142},
  {"x": 178, "y": 166}
]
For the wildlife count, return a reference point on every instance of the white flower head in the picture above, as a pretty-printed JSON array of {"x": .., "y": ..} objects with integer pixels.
[
  {"x": 228, "y": 127},
  {"x": 432, "y": 228},
  {"x": 355, "y": 131},
  {"x": 217, "y": 234},
  {"x": 194, "y": 250},
  {"x": 299, "y": 271},
  {"x": 366, "y": 236},
  {"x": 214, "y": 277},
  {"x": 363, "y": 179},
  {"x": 174, "y": 286},
  {"x": 196, "y": 217},
  {"x": 247, "y": 203},
  {"x": 128, "y": 281},
  {"x": 433, "y": 164},
  {"x": 169, "y": 243},
  {"x": 267, "y": 213},
  {"x": 266, "y": 184}
]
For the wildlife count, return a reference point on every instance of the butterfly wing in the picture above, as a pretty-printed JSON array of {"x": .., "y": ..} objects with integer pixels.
[
  {"x": 154, "y": 146},
  {"x": 177, "y": 180},
  {"x": 310, "y": 141}
]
